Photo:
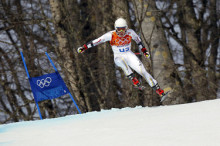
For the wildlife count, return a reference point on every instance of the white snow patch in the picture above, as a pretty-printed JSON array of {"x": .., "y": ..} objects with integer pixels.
[{"x": 195, "y": 124}]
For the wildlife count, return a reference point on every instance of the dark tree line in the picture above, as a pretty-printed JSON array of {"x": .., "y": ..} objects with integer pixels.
[{"x": 182, "y": 37}]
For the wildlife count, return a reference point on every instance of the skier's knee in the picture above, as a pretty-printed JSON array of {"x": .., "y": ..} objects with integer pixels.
[{"x": 119, "y": 61}]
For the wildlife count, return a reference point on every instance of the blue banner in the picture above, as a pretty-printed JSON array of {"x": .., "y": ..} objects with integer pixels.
[{"x": 48, "y": 86}]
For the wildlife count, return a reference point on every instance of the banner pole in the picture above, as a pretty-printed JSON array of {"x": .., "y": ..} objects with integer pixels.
[
  {"x": 29, "y": 80},
  {"x": 39, "y": 111},
  {"x": 57, "y": 71},
  {"x": 24, "y": 64},
  {"x": 75, "y": 103},
  {"x": 51, "y": 61}
]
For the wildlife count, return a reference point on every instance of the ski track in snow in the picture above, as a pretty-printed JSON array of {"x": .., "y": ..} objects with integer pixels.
[{"x": 194, "y": 124}]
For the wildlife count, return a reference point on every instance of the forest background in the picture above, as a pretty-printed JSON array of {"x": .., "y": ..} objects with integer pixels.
[{"x": 182, "y": 37}]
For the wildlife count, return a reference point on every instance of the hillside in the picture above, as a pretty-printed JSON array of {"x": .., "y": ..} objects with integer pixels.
[{"x": 195, "y": 124}]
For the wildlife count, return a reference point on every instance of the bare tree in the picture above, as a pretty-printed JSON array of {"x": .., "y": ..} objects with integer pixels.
[{"x": 182, "y": 37}]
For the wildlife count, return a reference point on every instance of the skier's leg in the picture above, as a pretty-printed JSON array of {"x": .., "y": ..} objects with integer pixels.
[
  {"x": 157, "y": 89},
  {"x": 138, "y": 66},
  {"x": 121, "y": 62},
  {"x": 135, "y": 81}
]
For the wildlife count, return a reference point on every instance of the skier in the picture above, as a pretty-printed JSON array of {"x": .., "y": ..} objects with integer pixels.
[{"x": 120, "y": 40}]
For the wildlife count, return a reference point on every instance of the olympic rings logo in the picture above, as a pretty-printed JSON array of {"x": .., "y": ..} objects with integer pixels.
[{"x": 44, "y": 82}]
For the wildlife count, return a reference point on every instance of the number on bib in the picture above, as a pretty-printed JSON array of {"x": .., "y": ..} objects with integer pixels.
[{"x": 124, "y": 50}]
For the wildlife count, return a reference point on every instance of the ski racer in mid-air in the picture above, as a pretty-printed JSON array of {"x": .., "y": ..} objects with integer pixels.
[{"x": 120, "y": 41}]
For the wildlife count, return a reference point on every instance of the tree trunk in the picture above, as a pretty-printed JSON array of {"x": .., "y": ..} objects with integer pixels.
[
  {"x": 106, "y": 68},
  {"x": 65, "y": 51},
  {"x": 161, "y": 59},
  {"x": 213, "y": 84},
  {"x": 194, "y": 56}
]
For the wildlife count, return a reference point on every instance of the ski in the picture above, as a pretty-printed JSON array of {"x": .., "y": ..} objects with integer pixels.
[
  {"x": 140, "y": 87},
  {"x": 164, "y": 96}
]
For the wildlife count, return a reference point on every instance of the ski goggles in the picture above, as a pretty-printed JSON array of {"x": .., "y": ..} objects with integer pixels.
[{"x": 121, "y": 29}]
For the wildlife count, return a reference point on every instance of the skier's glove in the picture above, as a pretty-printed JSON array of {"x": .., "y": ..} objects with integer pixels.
[
  {"x": 146, "y": 54},
  {"x": 82, "y": 49}
]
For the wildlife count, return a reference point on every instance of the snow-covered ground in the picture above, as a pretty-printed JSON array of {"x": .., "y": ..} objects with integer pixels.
[{"x": 195, "y": 124}]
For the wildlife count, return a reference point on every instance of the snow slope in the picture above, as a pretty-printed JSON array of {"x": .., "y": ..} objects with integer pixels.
[{"x": 195, "y": 124}]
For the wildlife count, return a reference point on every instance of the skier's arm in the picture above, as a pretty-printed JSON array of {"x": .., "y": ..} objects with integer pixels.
[
  {"x": 100, "y": 40},
  {"x": 141, "y": 46}
]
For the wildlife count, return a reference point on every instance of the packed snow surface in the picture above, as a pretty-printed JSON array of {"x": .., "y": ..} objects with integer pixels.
[{"x": 195, "y": 124}]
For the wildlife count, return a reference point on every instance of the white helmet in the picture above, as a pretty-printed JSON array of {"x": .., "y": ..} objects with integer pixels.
[{"x": 120, "y": 22}]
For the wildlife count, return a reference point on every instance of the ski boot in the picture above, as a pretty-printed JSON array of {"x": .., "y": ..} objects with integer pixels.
[
  {"x": 160, "y": 92},
  {"x": 135, "y": 81}
]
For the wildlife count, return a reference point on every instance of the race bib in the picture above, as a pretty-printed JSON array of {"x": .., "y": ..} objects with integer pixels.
[{"x": 124, "y": 49}]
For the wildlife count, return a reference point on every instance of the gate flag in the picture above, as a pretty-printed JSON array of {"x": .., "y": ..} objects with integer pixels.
[{"x": 48, "y": 86}]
